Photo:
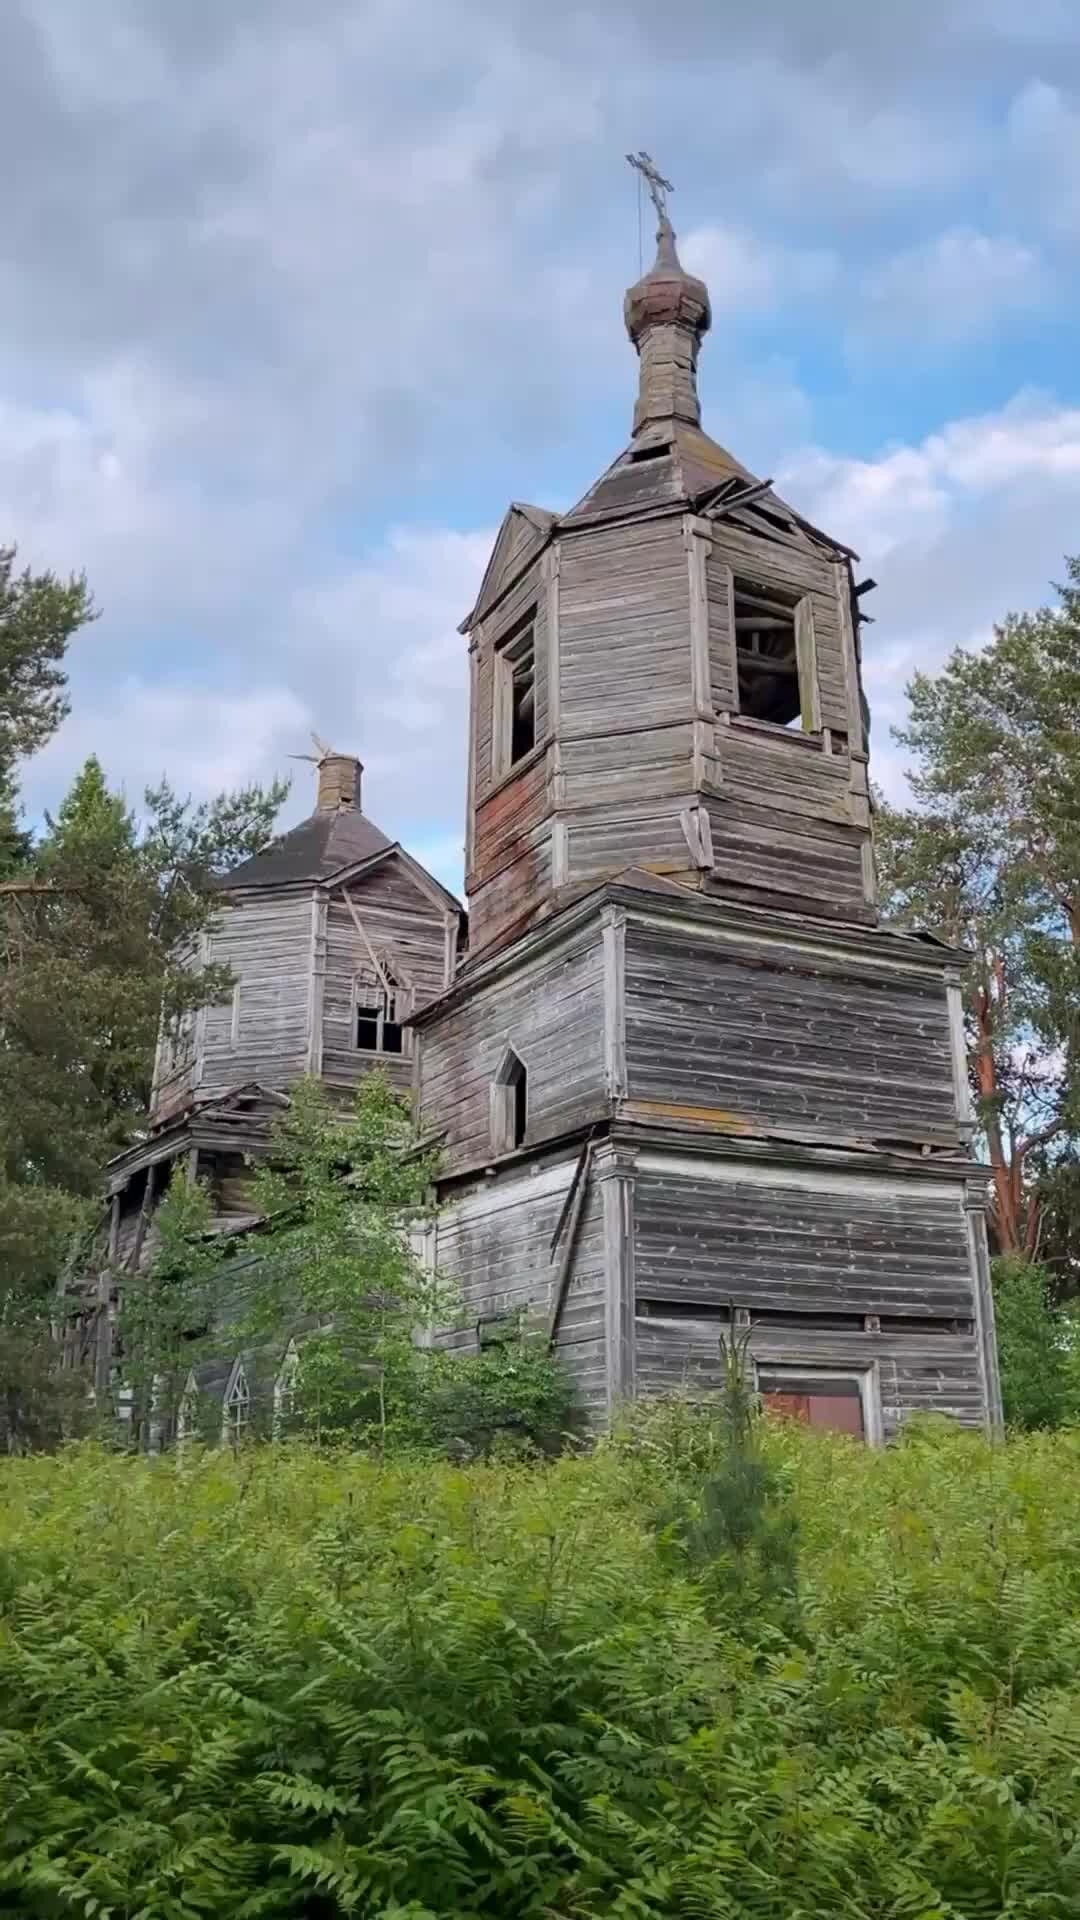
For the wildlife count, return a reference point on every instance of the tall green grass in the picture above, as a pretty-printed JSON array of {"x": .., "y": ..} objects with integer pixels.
[{"x": 297, "y": 1685}]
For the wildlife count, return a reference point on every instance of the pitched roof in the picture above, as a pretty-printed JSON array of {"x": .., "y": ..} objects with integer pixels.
[{"x": 318, "y": 847}]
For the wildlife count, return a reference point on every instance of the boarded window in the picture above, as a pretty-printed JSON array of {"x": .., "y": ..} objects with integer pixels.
[
  {"x": 818, "y": 1399},
  {"x": 774, "y": 655}
]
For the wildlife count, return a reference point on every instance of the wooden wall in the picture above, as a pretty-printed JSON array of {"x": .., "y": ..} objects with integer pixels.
[
  {"x": 776, "y": 1036},
  {"x": 804, "y": 569},
  {"x": 266, "y": 939},
  {"x": 550, "y": 1009},
  {"x": 493, "y": 1245},
  {"x": 637, "y": 718},
  {"x": 799, "y": 1246},
  {"x": 407, "y": 932},
  {"x": 624, "y": 628}
]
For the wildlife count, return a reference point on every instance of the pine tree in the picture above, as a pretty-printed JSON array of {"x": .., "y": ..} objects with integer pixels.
[{"x": 990, "y": 857}]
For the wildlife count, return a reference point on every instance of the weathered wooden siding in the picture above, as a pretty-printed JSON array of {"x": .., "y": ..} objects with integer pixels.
[
  {"x": 810, "y": 860},
  {"x": 551, "y": 1012},
  {"x": 527, "y": 595},
  {"x": 648, "y": 835},
  {"x": 799, "y": 1246},
  {"x": 177, "y": 1065},
  {"x": 267, "y": 941},
  {"x": 493, "y": 1245},
  {"x": 771, "y": 1037},
  {"x": 916, "y": 1372},
  {"x": 786, "y": 770},
  {"x": 645, "y": 761},
  {"x": 624, "y": 628},
  {"x": 513, "y": 890},
  {"x": 410, "y": 939},
  {"x": 738, "y": 549}
]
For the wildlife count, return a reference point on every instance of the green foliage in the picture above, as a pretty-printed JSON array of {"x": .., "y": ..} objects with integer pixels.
[
  {"x": 91, "y": 945},
  {"x": 336, "y": 1270},
  {"x": 733, "y": 1522},
  {"x": 509, "y": 1397},
  {"x": 338, "y": 1195},
  {"x": 39, "y": 617},
  {"x": 296, "y": 1684},
  {"x": 1035, "y": 1343},
  {"x": 990, "y": 857},
  {"x": 167, "y": 1307}
]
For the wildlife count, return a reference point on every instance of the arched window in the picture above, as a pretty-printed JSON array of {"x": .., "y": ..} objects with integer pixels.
[
  {"x": 237, "y": 1421},
  {"x": 509, "y": 1103}
]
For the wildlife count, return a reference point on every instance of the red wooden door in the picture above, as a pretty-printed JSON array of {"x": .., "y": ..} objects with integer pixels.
[{"x": 835, "y": 1403}]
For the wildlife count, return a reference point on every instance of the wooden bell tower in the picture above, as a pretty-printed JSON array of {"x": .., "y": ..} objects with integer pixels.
[{"x": 685, "y": 1072}]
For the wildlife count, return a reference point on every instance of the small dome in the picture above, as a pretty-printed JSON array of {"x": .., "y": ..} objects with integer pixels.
[{"x": 667, "y": 296}]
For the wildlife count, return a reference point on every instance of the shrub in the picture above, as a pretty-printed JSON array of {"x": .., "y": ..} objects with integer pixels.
[
  {"x": 1038, "y": 1375},
  {"x": 297, "y": 1684}
]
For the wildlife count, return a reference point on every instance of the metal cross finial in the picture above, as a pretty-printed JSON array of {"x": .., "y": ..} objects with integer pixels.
[{"x": 654, "y": 180}]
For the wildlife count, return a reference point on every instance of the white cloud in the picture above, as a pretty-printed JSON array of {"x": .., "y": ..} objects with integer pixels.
[
  {"x": 204, "y": 741},
  {"x": 958, "y": 530},
  {"x": 1043, "y": 135},
  {"x": 743, "y": 271},
  {"x": 953, "y": 289}
]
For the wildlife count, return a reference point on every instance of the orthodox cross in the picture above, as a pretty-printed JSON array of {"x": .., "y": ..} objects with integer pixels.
[{"x": 658, "y": 187}]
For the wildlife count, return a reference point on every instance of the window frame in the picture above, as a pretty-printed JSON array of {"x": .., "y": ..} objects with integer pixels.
[
  {"x": 806, "y": 662},
  {"x": 505, "y": 1097},
  {"x": 508, "y": 652},
  {"x": 864, "y": 1374},
  {"x": 396, "y": 996},
  {"x": 235, "y": 1431}
]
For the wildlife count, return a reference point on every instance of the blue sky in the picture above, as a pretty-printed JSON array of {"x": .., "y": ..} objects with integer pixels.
[{"x": 297, "y": 294}]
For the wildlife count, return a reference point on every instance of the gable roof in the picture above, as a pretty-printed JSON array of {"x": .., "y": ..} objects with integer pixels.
[{"x": 523, "y": 532}]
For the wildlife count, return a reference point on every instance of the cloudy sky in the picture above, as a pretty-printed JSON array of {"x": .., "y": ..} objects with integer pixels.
[{"x": 297, "y": 294}]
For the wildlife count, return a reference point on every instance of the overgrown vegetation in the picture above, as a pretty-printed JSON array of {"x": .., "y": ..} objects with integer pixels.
[
  {"x": 298, "y": 1684},
  {"x": 332, "y": 1279}
]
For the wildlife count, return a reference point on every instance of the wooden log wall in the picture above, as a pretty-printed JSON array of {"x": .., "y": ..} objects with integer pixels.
[
  {"x": 624, "y": 626},
  {"x": 808, "y": 861},
  {"x": 808, "y": 1254},
  {"x": 266, "y": 939},
  {"x": 550, "y": 1009},
  {"x": 493, "y": 1244},
  {"x": 403, "y": 926},
  {"x": 775, "y": 1035}
]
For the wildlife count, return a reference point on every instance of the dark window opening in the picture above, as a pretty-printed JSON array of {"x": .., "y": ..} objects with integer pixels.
[
  {"x": 519, "y": 1085},
  {"x": 523, "y": 700},
  {"x": 378, "y": 1023},
  {"x": 767, "y": 655},
  {"x": 919, "y": 1323},
  {"x": 367, "y": 1029}
]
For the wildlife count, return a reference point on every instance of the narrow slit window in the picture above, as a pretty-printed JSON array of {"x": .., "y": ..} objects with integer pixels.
[
  {"x": 515, "y": 699},
  {"x": 510, "y": 1104},
  {"x": 523, "y": 702},
  {"x": 773, "y": 655}
]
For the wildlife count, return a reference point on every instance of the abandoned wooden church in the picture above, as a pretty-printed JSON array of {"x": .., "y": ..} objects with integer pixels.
[{"x": 682, "y": 1073}]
